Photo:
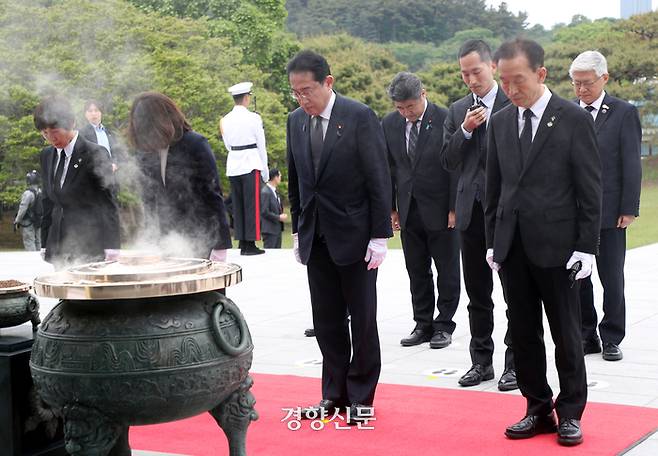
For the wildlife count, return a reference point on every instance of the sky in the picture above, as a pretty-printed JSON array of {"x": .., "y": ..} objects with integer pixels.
[{"x": 548, "y": 13}]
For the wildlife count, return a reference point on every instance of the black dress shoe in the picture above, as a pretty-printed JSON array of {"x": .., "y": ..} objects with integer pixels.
[
  {"x": 476, "y": 375},
  {"x": 310, "y": 332},
  {"x": 440, "y": 339},
  {"x": 324, "y": 409},
  {"x": 530, "y": 426},
  {"x": 417, "y": 336},
  {"x": 592, "y": 345},
  {"x": 569, "y": 433},
  {"x": 507, "y": 381},
  {"x": 612, "y": 352},
  {"x": 251, "y": 250},
  {"x": 359, "y": 413}
]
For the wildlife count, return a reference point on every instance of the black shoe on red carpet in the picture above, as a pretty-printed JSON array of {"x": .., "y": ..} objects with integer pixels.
[
  {"x": 507, "y": 381},
  {"x": 569, "y": 433},
  {"x": 324, "y": 409},
  {"x": 532, "y": 425},
  {"x": 359, "y": 413}
]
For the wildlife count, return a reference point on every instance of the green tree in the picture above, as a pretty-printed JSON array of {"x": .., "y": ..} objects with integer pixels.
[{"x": 111, "y": 52}]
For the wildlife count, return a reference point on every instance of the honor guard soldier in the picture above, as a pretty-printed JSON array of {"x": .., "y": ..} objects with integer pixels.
[{"x": 243, "y": 135}]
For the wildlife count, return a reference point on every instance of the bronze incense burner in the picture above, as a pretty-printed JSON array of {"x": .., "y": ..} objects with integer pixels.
[{"x": 143, "y": 340}]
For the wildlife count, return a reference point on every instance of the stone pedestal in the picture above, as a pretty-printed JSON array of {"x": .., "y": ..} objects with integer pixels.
[{"x": 17, "y": 403}]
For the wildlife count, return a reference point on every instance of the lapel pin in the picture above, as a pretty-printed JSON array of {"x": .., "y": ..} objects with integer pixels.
[
  {"x": 604, "y": 108},
  {"x": 550, "y": 122},
  {"x": 339, "y": 130},
  {"x": 75, "y": 165},
  {"x": 429, "y": 124}
]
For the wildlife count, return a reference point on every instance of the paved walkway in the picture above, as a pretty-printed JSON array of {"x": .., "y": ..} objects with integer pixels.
[{"x": 274, "y": 298}]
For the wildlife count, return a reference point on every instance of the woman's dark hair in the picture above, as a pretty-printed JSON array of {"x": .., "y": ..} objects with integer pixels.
[{"x": 155, "y": 122}]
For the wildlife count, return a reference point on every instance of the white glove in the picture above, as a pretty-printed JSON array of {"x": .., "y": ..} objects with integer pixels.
[
  {"x": 586, "y": 261},
  {"x": 492, "y": 264},
  {"x": 218, "y": 255},
  {"x": 376, "y": 252},
  {"x": 295, "y": 247},
  {"x": 112, "y": 254},
  {"x": 43, "y": 254}
]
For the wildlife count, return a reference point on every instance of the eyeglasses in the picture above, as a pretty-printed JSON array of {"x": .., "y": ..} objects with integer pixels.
[
  {"x": 585, "y": 84},
  {"x": 303, "y": 94}
]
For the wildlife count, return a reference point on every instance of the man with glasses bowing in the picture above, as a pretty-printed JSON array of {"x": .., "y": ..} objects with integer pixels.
[
  {"x": 340, "y": 200},
  {"x": 619, "y": 136}
]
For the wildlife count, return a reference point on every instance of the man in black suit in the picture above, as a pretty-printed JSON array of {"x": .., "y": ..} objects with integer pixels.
[
  {"x": 99, "y": 134},
  {"x": 340, "y": 197},
  {"x": 543, "y": 216},
  {"x": 619, "y": 135},
  {"x": 465, "y": 150},
  {"x": 423, "y": 209},
  {"x": 271, "y": 212},
  {"x": 81, "y": 218}
]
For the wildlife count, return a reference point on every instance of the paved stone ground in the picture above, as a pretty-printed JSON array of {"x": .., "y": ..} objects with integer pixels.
[{"x": 275, "y": 300}]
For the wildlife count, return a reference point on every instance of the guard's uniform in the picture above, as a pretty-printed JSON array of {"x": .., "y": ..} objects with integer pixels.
[{"x": 243, "y": 135}]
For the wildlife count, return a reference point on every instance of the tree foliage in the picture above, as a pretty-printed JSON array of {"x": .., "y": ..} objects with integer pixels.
[
  {"x": 385, "y": 21},
  {"x": 111, "y": 51}
]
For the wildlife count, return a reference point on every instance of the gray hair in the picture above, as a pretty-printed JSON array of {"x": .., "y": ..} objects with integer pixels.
[
  {"x": 405, "y": 86},
  {"x": 589, "y": 61}
]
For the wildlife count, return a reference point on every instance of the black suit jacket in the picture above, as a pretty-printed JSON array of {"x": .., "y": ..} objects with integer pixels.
[
  {"x": 349, "y": 201},
  {"x": 81, "y": 219},
  {"x": 619, "y": 137},
  {"x": 555, "y": 197},
  {"x": 89, "y": 133},
  {"x": 270, "y": 209},
  {"x": 431, "y": 186},
  {"x": 191, "y": 202},
  {"x": 467, "y": 156}
]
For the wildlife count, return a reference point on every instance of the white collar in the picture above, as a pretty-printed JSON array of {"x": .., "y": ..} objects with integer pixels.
[
  {"x": 422, "y": 115},
  {"x": 271, "y": 187},
  {"x": 326, "y": 113},
  {"x": 68, "y": 149},
  {"x": 540, "y": 105},
  {"x": 596, "y": 103},
  {"x": 490, "y": 98}
]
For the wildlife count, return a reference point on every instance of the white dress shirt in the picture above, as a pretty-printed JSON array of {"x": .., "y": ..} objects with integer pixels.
[
  {"x": 489, "y": 99},
  {"x": 241, "y": 127},
  {"x": 325, "y": 115},
  {"x": 537, "y": 110},
  {"x": 596, "y": 104},
  {"x": 410, "y": 124},
  {"x": 68, "y": 151}
]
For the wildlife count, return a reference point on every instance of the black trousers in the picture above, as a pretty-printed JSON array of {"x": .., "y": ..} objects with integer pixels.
[
  {"x": 478, "y": 279},
  {"x": 420, "y": 247},
  {"x": 245, "y": 200},
  {"x": 350, "y": 368},
  {"x": 610, "y": 266},
  {"x": 526, "y": 287},
  {"x": 271, "y": 240}
]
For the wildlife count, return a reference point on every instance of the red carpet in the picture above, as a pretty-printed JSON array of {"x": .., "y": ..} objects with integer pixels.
[{"x": 410, "y": 420}]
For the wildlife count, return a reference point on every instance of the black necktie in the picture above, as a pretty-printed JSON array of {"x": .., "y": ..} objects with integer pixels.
[
  {"x": 413, "y": 140},
  {"x": 589, "y": 108},
  {"x": 60, "y": 170},
  {"x": 316, "y": 143},
  {"x": 481, "y": 103},
  {"x": 526, "y": 135}
]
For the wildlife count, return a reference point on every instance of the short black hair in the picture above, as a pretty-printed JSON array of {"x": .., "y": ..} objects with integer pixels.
[
  {"x": 310, "y": 61},
  {"x": 521, "y": 46},
  {"x": 479, "y": 46},
  {"x": 54, "y": 111},
  {"x": 96, "y": 103},
  {"x": 274, "y": 172},
  {"x": 405, "y": 86},
  {"x": 237, "y": 99}
]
